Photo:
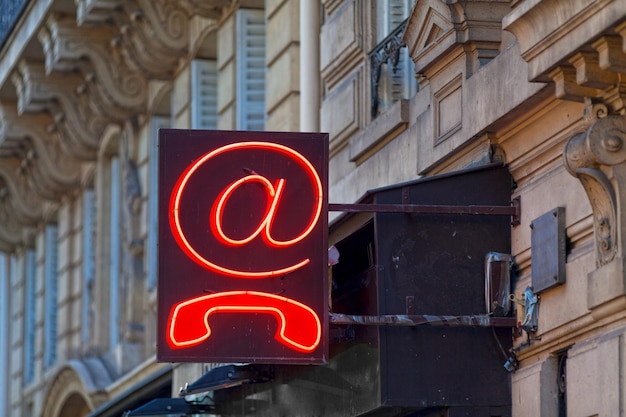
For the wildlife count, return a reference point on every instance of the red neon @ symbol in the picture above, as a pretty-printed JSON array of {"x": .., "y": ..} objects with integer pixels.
[
  {"x": 273, "y": 192},
  {"x": 299, "y": 328}
]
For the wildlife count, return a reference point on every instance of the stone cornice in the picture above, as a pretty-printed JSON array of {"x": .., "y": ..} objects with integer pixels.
[
  {"x": 596, "y": 70},
  {"x": 551, "y": 31}
]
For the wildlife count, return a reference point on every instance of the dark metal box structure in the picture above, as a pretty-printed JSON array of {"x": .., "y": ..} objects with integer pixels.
[{"x": 397, "y": 263}]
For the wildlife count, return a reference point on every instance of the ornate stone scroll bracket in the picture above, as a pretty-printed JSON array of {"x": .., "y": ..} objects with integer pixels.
[
  {"x": 112, "y": 85},
  {"x": 95, "y": 12},
  {"x": 597, "y": 157},
  {"x": 79, "y": 125},
  {"x": 154, "y": 36},
  {"x": 26, "y": 206},
  {"x": 211, "y": 9},
  {"x": 52, "y": 171}
]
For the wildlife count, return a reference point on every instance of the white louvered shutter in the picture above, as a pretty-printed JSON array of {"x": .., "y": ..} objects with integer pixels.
[
  {"x": 153, "y": 196},
  {"x": 400, "y": 84},
  {"x": 5, "y": 308},
  {"x": 30, "y": 320},
  {"x": 89, "y": 261},
  {"x": 204, "y": 94},
  {"x": 250, "y": 69},
  {"x": 50, "y": 295},
  {"x": 115, "y": 242},
  {"x": 400, "y": 79}
]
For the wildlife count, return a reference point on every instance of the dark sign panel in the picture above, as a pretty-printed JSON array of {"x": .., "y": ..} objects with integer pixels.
[{"x": 242, "y": 247}]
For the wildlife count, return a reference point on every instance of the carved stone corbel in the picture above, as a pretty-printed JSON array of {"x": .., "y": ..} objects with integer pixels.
[
  {"x": 10, "y": 229},
  {"x": 52, "y": 169},
  {"x": 95, "y": 12},
  {"x": 154, "y": 36},
  {"x": 79, "y": 124},
  {"x": 597, "y": 158},
  {"x": 112, "y": 85},
  {"x": 25, "y": 203},
  {"x": 596, "y": 72},
  {"x": 205, "y": 8}
]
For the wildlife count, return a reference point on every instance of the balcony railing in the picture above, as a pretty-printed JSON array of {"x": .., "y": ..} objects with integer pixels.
[
  {"x": 391, "y": 71},
  {"x": 10, "y": 11}
]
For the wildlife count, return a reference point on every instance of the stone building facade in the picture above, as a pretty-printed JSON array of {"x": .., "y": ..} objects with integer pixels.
[{"x": 407, "y": 90}]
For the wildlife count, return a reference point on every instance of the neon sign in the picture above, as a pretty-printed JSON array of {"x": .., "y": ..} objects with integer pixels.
[
  {"x": 299, "y": 326},
  {"x": 242, "y": 263},
  {"x": 265, "y": 225}
]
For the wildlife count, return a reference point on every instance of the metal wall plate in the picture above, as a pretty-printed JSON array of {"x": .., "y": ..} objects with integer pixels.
[{"x": 548, "y": 250}]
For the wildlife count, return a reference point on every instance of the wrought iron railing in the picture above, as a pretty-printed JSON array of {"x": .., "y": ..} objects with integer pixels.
[
  {"x": 10, "y": 11},
  {"x": 387, "y": 51}
]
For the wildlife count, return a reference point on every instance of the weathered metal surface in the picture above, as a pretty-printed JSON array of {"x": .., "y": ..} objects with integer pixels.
[
  {"x": 513, "y": 210},
  {"x": 480, "y": 320},
  {"x": 548, "y": 243}
]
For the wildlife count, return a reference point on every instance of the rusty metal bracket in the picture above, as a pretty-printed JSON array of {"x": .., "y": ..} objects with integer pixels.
[
  {"x": 514, "y": 210},
  {"x": 480, "y": 320}
]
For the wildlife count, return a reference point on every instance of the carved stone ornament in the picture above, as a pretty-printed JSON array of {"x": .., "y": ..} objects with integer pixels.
[
  {"x": 24, "y": 203},
  {"x": 154, "y": 36},
  {"x": 205, "y": 8},
  {"x": 112, "y": 85},
  {"x": 10, "y": 229},
  {"x": 95, "y": 12},
  {"x": 50, "y": 169},
  {"x": 436, "y": 26},
  {"x": 597, "y": 158},
  {"x": 78, "y": 122}
]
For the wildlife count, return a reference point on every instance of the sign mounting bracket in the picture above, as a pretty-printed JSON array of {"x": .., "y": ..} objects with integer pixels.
[{"x": 514, "y": 210}]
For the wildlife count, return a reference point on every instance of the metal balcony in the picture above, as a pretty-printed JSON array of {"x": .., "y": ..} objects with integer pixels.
[{"x": 10, "y": 12}]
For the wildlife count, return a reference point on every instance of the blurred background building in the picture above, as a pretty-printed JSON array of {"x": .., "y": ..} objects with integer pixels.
[{"x": 416, "y": 95}]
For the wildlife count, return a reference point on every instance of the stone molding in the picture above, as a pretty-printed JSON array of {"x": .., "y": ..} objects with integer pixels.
[{"x": 435, "y": 27}]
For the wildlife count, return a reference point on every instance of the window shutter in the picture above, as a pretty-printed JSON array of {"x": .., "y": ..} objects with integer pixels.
[
  {"x": 153, "y": 197},
  {"x": 30, "y": 304},
  {"x": 115, "y": 245},
  {"x": 204, "y": 94},
  {"x": 5, "y": 290},
  {"x": 401, "y": 83},
  {"x": 89, "y": 258},
  {"x": 250, "y": 69},
  {"x": 50, "y": 295},
  {"x": 399, "y": 79}
]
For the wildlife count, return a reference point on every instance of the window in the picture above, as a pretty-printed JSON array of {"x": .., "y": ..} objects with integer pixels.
[
  {"x": 50, "y": 296},
  {"x": 89, "y": 257},
  {"x": 391, "y": 82},
  {"x": 30, "y": 294},
  {"x": 115, "y": 242},
  {"x": 250, "y": 69},
  {"x": 203, "y": 94}
]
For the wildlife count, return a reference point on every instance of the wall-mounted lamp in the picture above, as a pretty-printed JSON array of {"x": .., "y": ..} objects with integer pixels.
[{"x": 498, "y": 283}]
